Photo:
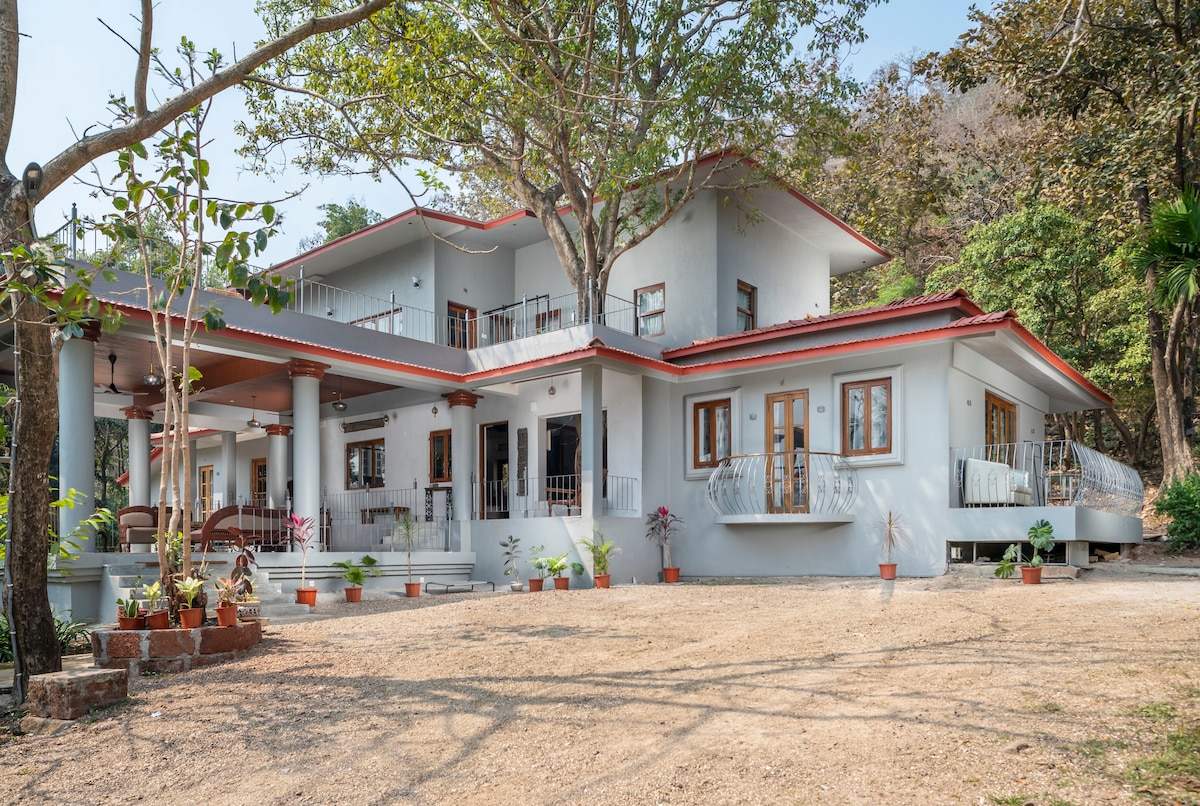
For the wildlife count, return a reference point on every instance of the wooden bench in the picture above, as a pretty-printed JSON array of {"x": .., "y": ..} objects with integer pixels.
[
  {"x": 240, "y": 526},
  {"x": 465, "y": 586}
]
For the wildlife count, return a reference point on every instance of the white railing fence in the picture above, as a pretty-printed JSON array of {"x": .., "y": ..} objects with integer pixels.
[
  {"x": 546, "y": 496},
  {"x": 790, "y": 482},
  {"x": 1055, "y": 473},
  {"x": 370, "y": 520}
]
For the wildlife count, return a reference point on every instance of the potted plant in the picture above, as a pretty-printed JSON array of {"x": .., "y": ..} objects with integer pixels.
[
  {"x": 190, "y": 616},
  {"x": 512, "y": 550},
  {"x": 539, "y": 564},
  {"x": 156, "y": 619},
  {"x": 602, "y": 551},
  {"x": 1041, "y": 537},
  {"x": 663, "y": 523},
  {"x": 127, "y": 615},
  {"x": 356, "y": 575},
  {"x": 406, "y": 532},
  {"x": 242, "y": 575},
  {"x": 555, "y": 567},
  {"x": 300, "y": 533},
  {"x": 227, "y": 613},
  {"x": 894, "y": 535}
]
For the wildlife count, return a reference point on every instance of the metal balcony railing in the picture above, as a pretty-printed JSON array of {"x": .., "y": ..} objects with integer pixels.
[
  {"x": 782, "y": 483},
  {"x": 517, "y": 320},
  {"x": 368, "y": 520},
  {"x": 1052, "y": 473},
  {"x": 552, "y": 496}
]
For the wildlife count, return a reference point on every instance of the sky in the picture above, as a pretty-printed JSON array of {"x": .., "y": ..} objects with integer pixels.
[{"x": 71, "y": 63}]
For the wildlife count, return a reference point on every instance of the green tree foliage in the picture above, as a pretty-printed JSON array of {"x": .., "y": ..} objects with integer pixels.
[
  {"x": 1070, "y": 287},
  {"x": 340, "y": 221},
  {"x": 1180, "y": 500},
  {"x": 586, "y": 104},
  {"x": 1113, "y": 81}
]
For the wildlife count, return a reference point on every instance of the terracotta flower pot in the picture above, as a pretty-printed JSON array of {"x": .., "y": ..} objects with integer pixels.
[
  {"x": 306, "y": 596},
  {"x": 191, "y": 617},
  {"x": 412, "y": 589},
  {"x": 1031, "y": 575},
  {"x": 535, "y": 584},
  {"x": 227, "y": 616},
  {"x": 131, "y": 622},
  {"x": 354, "y": 593},
  {"x": 562, "y": 583},
  {"x": 602, "y": 580},
  {"x": 887, "y": 570},
  {"x": 158, "y": 620},
  {"x": 671, "y": 574}
]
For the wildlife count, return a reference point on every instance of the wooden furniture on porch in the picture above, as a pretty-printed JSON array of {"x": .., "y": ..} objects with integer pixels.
[{"x": 239, "y": 526}]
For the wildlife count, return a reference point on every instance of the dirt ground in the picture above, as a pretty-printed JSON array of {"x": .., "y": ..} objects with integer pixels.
[{"x": 959, "y": 689}]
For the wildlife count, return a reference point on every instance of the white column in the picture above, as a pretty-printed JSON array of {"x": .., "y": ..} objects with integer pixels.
[
  {"x": 76, "y": 432},
  {"x": 462, "y": 450},
  {"x": 591, "y": 426},
  {"x": 229, "y": 467},
  {"x": 277, "y": 453},
  {"x": 138, "y": 420},
  {"x": 306, "y": 444}
]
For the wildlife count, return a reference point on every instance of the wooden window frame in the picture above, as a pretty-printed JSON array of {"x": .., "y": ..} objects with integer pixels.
[
  {"x": 751, "y": 312},
  {"x": 374, "y": 473},
  {"x": 547, "y": 318},
  {"x": 205, "y": 475},
  {"x": 639, "y": 315},
  {"x": 459, "y": 333},
  {"x": 1007, "y": 409},
  {"x": 712, "y": 406},
  {"x": 258, "y": 497},
  {"x": 434, "y": 476},
  {"x": 869, "y": 448}
]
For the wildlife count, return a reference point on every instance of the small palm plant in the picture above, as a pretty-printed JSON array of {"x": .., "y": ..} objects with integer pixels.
[
  {"x": 894, "y": 535},
  {"x": 663, "y": 523},
  {"x": 301, "y": 532}
]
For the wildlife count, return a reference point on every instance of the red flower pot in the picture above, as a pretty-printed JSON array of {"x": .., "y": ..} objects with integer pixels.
[
  {"x": 1031, "y": 575},
  {"x": 602, "y": 580},
  {"x": 158, "y": 620},
  {"x": 412, "y": 589},
  {"x": 562, "y": 583},
  {"x": 671, "y": 574},
  {"x": 887, "y": 570},
  {"x": 131, "y": 622},
  {"x": 354, "y": 593},
  {"x": 191, "y": 617},
  {"x": 306, "y": 596},
  {"x": 227, "y": 616},
  {"x": 535, "y": 584}
]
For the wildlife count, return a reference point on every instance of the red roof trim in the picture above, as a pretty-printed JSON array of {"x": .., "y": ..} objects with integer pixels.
[{"x": 893, "y": 310}]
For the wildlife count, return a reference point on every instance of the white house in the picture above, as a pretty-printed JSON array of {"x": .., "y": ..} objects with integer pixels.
[{"x": 474, "y": 390}]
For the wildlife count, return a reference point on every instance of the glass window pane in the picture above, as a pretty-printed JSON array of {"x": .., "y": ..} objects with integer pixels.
[
  {"x": 651, "y": 300},
  {"x": 704, "y": 434},
  {"x": 743, "y": 321},
  {"x": 879, "y": 416},
  {"x": 650, "y": 325},
  {"x": 723, "y": 438},
  {"x": 854, "y": 419}
]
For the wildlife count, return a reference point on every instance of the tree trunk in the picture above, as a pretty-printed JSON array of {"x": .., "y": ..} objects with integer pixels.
[{"x": 29, "y": 506}]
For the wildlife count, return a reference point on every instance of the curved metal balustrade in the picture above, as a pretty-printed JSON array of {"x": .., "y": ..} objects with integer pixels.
[
  {"x": 787, "y": 483},
  {"x": 1053, "y": 473}
]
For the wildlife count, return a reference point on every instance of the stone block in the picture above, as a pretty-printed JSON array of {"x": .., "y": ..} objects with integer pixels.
[
  {"x": 165, "y": 643},
  {"x": 71, "y": 694},
  {"x": 213, "y": 659},
  {"x": 215, "y": 640},
  {"x": 125, "y": 643},
  {"x": 166, "y": 665}
]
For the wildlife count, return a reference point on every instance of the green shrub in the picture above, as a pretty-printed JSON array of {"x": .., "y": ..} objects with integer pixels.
[
  {"x": 1181, "y": 501},
  {"x": 71, "y": 635}
]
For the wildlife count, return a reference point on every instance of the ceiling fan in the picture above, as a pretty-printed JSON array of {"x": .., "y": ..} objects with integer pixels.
[{"x": 111, "y": 388}]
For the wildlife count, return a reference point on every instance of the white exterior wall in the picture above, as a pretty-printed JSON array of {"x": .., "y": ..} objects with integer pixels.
[
  {"x": 683, "y": 255},
  {"x": 537, "y": 271},
  {"x": 792, "y": 277},
  {"x": 915, "y": 486},
  {"x": 479, "y": 281},
  {"x": 969, "y": 379},
  {"x": 390, "y": 272}
]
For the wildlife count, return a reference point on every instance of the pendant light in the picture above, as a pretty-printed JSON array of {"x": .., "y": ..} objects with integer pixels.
[
  {"x": 339, "y": 405},
  {"x": 253, "y": 421},
  {"x": 152, "y": 378}
]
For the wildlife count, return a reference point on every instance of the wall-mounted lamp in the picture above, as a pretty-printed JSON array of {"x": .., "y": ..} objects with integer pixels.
[
  {"x": 416, "y": 281},
  {"x": 435, "y": 411}
]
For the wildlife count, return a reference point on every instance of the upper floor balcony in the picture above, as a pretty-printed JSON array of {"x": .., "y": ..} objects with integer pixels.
[{"x": 460, "y": 326}]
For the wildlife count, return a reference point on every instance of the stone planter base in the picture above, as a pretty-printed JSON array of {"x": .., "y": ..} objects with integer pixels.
[{"x": 143, "y": 651}]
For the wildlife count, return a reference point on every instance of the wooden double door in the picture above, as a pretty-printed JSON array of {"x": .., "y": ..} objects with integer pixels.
[{"x": 787, "y": 470}]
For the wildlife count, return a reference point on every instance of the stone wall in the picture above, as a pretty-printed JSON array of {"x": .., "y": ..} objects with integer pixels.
[{"x": 142, "y": 651}]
